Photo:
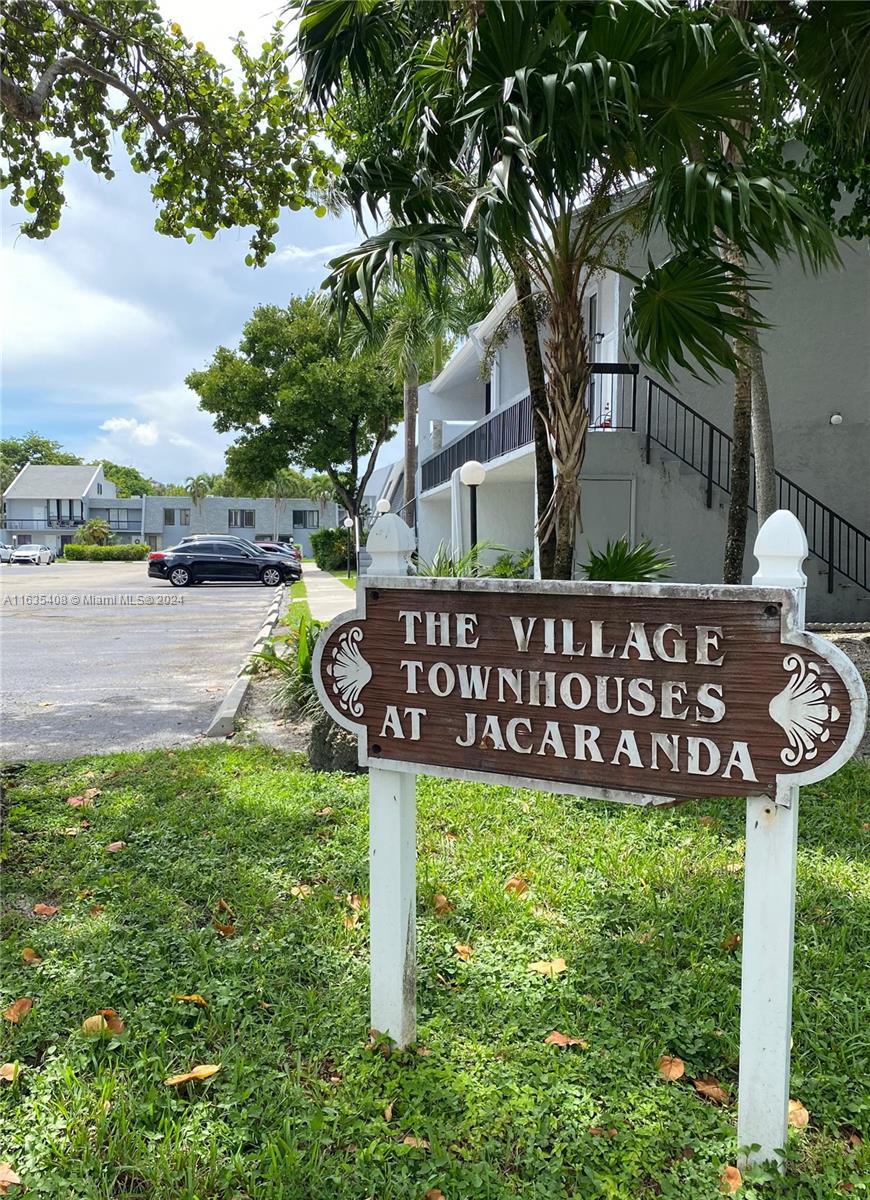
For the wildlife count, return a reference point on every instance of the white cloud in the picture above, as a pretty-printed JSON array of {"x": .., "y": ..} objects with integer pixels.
[
  {"x": 140, "y": 433},
  {"x": 165, "y": 436},
  {"x": 47, "y": 314},
  {"x": 314, "y": 255}
]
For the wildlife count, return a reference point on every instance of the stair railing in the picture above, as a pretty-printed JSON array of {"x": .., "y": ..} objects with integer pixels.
[{"x": 695, "y": 440}]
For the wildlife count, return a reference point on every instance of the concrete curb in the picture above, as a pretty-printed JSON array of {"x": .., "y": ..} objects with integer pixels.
[{"x": 224, "y": 721}]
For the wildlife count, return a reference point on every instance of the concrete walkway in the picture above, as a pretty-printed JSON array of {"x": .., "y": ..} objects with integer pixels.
[{"x": 326, "y": 595}]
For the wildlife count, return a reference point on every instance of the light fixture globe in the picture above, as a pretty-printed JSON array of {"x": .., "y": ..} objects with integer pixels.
[
  {"x": 382, "y": 506},
  {"x": 348, "y": 523},
  {"x": 472, "y": 473}
]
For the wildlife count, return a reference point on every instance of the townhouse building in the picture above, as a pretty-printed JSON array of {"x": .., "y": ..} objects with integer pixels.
[
  {"x": 48, "y": 504},
  {"x": 658, "y": 460}
]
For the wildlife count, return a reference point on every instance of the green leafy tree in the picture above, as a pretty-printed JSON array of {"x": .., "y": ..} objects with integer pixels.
[
  {"x": 297, "y": 396},
  {"x": 547, "y": 135},
  {"x": 95, "y": 532},
  {"x": 198, "y": 487},
  {"x": 94, "y": 74},
  {"x": 17, "y": 452},
  {"x": 127, "y": 480}
]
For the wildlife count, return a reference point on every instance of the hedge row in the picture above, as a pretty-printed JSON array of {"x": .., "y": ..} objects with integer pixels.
[
  {"x": 133, "y": 553},
  {"x": 329, "y": 547}
]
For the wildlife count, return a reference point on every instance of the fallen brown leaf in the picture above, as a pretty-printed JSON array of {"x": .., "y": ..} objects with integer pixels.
[
  {"x": 451, "y": 836},
  {"x": 205, "y": 1071},
  {"x": 733, "y": 869},
  {"x": 464, "y": 952},
  {"x": 355, "y": 902},
  {"x": 114, "y": 847},
  {"x": 79, "y": 802},
  {"x": 731, "y": 943},
  {"x": 45, "y": 910},
  {"x": 96, "y": 909},
  {"x": 422, "y": 1052},
  {"x": 798, "y": 1117},
  {"x": 224, "y": 907},
  {"x": 91, "y": 793},
  {"x": 434, "y": 1194},
  {"x": 97, "y": 1024},
  {"x": 225, "y": 931},
  {"x": 29, "y": 957},
  {"x": 517, "y": 885},
  {"x": 8, "y": 1178},
  {"x": 562, "y": 1039},
  {"x": 388, "y": 1113},
  {"x": 301, "y": 891},
  {"x": 9, "y": 1071},
  {"x": 855, "y": 1140},
  {"x": 350, "y": 920},
  {"x": 18, "y": 1009},
  {"x": 326, "y": 811},
  {"x": 711, "y": 1090},
  {"x": 549, "y": 967},
  {"x": 417, "y": 1143},
  {"x": 597, "y": 1131},
  {"x": 671, "y": 1067},
  {"x": 441, "y": 905},
  {"x": 113, "y": 1021},
  {"x": 731, "y": 1181}
]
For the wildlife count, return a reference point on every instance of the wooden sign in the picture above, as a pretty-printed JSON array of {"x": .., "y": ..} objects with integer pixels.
[
  {"x": 645, "y": 694},
  {"x": 637, "y": 693}
]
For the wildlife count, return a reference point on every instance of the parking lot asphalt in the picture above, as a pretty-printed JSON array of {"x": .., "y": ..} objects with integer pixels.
[{"x": 96, "y": 657}]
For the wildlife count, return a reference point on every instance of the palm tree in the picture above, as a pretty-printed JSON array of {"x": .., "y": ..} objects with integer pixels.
[
  {"x": 95, "y": 532},
  {"x": 198, "y": 487},
  {"x": 412, "y": 326},
  {"x": 542, "y": 136}
]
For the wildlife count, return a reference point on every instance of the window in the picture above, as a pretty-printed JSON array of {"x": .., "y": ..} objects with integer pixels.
[
  {"x": 241, "y": 518},
  {"x": 99, "y": 489},
  {"x": 306, "y": 518},
  {"x": 169, "y": 516},
  {"x": 204, "y": 548},
  {"x": 184, "y": 516}
]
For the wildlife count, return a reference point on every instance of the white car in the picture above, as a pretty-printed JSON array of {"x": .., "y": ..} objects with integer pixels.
[
  {"x": 5, "y": 552},
  {"x": 35, "y": 554}
]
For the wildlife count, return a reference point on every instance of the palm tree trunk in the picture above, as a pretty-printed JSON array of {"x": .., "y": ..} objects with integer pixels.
[
  {"x": 738, "y": 509},
  {"x": 410, "y": 391},
  {"x": 766, "y": 500},
  {"x": 567, "y": 421},
  {"x": 538, "y": 393},
  {"x": 741, "y": 447}
]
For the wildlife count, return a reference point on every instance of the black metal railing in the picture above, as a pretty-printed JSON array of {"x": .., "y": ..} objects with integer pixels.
[
  {"x": 611, "y": 399},
  {"x": 128, "y": 526},
  {"x": 683, "y": 432}
]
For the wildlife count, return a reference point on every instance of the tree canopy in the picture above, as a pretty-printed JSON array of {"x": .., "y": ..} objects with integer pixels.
[
  {"x": 95, "y": 74},
  {"x": 128, "y": 481},
  {"x": 17, "y": 452},
  {"x": 298, "y": 397}
]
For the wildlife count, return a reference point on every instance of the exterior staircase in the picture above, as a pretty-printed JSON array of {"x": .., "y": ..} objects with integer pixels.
[{"x": 702, "y": 452}]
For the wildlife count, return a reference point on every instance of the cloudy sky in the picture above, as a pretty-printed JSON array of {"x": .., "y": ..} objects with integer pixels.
[{"x": 104, "y": 319}]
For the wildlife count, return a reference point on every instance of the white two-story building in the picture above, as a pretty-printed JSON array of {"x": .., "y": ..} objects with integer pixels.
[
  {"x": 48, "y": 504},
  {"x": 658, "y": 457}
]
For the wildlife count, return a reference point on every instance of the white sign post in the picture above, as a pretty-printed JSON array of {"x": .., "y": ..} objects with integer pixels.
[
  {"x": 392, "y": 847},
  {"x": 770, "y": 865},
  {"x": 792, "y": 699}
]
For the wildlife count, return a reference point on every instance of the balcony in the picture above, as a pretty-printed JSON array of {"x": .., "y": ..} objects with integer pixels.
[
  {"x": 611, "y": 400},
  {"x": 69, "y": 523}
]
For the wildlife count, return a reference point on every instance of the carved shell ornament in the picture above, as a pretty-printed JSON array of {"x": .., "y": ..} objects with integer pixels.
[
  {"x": 803, "y": 710},
  {"x": 349, "y": 671}
]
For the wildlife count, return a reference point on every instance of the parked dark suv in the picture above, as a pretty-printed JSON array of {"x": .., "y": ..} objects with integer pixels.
[{"x": 216, "y": 559}]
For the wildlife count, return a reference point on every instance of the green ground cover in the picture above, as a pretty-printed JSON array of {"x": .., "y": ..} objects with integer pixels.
[
  {"x": 343, "y": 577},
  {"x": 643, "y": 907}
]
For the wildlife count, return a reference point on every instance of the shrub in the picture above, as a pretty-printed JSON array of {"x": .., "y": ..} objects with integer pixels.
[
  {"x": 294, "y": 689},
  {"x": 510, "y": 564},
  {"x": 619, "y": 562},
  {"x": 330, "y": 548},
  {"x": 135, "y": 552}
]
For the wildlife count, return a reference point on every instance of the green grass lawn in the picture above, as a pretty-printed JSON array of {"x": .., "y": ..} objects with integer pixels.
[{"x": 642, "y": 905}]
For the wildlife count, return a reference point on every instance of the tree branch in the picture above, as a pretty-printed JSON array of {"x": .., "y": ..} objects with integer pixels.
[{"x": 28, "y": 106}]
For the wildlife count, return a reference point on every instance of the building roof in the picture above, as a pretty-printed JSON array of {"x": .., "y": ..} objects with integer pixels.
[{"x": 51, "y": 482}]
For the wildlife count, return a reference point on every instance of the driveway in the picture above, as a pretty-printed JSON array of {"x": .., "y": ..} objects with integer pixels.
[{"x": 96, "y": 657}]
